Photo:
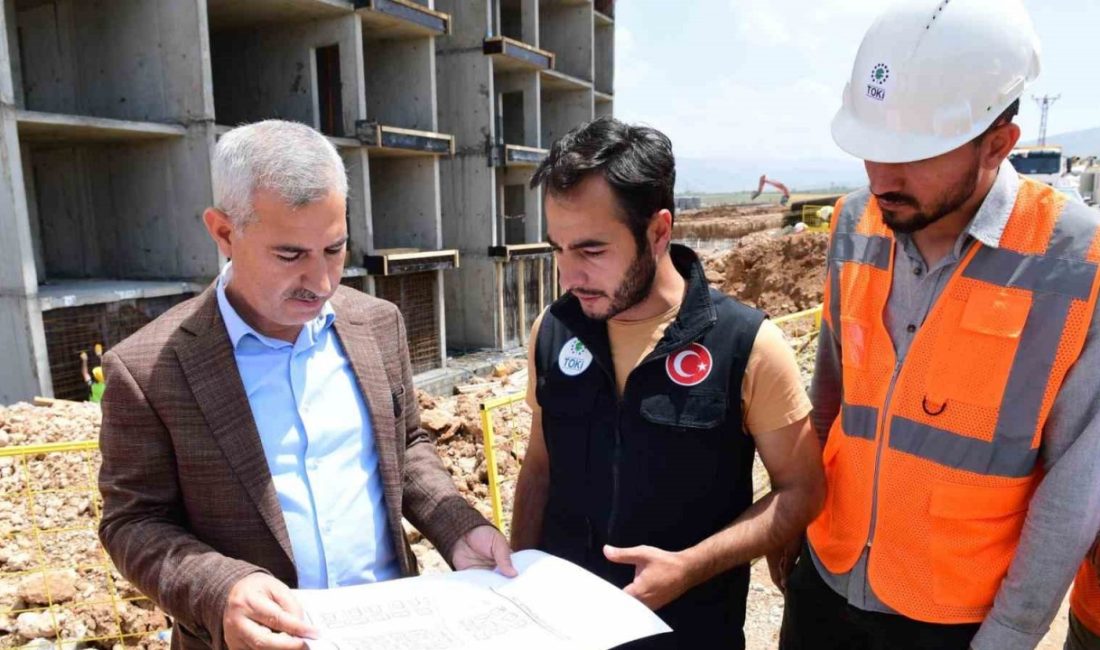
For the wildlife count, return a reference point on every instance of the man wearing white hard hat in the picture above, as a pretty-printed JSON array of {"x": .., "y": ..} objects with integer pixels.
[{"x": 959, "y": 363}]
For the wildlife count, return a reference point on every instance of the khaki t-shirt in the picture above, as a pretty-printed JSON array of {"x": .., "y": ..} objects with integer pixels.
[{"x": 772, "y": 395}]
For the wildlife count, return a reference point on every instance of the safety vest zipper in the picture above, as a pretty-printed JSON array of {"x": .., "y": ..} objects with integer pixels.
[{"x": 878, "y": 452}]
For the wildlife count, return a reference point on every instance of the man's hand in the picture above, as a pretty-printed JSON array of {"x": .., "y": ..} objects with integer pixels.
[
  {"x": 781, "y": 562},
  {"x": 261, "y": 613},
  {"x": 660, "y": 577},
  {"x": 483, "y": 548}
]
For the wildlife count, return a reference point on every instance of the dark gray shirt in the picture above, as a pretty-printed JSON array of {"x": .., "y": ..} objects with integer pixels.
[{"x": 1064, "y": 513}]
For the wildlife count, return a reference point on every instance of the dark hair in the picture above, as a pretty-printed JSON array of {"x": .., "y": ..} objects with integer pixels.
[
  {"x": 1004, "y": 118},
  {"x": 636, "y": 161}
]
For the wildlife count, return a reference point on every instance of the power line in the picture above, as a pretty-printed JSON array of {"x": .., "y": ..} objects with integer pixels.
[{"x": 1044, "y": 103}]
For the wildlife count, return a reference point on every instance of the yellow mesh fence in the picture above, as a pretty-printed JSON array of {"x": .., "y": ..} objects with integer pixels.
[{"x": 58, "y": 587}]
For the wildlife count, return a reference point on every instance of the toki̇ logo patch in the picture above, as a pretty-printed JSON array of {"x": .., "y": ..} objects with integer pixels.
[
  {"x": 880, "y": 74},
  {"x": 574, "y": 357},
  {"x": 689, "y": 366}
]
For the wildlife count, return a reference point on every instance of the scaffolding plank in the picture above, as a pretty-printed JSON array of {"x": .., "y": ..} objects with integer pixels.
[
  {"x": 401, "y": 19},
  {"x": 403, "y": 262},
  {"x": 509, "y": 252},
  {"x": 513, "y": 155},
  {"x": 511, "y": 55},
  {"x": 76, "y": 293},
  {"x": 394, "y": 141},
  {"x": 36, "y": 126}
]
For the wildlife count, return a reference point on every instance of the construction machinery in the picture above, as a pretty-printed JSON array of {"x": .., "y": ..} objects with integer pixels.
[{"x": 764, "y": 180}]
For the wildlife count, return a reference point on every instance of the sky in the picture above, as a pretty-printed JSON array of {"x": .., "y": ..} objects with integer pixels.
[{"x": 758, "y": 81}]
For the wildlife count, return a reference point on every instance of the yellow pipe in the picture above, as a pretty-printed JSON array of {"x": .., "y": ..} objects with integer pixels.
[
  {"x": 49, "y": 448},
  {"x": 815, "y": 312},
  {"x": 487, "y": 408}
]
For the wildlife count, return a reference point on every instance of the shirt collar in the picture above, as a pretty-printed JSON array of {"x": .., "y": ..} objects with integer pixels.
[
  {"x": 992, "y": 218},
  {"x": 237, "y": 328}
]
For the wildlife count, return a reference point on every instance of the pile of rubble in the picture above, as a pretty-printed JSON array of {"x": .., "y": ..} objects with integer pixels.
[
  {"x": 778, "y": 273},
  {"x": 56, "y": 584},
  {"x": 455, "y": 421}
]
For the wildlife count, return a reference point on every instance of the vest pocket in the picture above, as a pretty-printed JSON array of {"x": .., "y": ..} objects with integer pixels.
[
  {"x": 974, "y": 534},
  {"x": 699, "y": 408},
  {"x": 854, "y": 343},
  {"x": 972, "y": 361}
]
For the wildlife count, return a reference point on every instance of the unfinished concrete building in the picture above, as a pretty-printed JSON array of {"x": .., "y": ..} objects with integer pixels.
[
  {"x": 514, "y": 75},
  {"x": 109, "y": 111}
]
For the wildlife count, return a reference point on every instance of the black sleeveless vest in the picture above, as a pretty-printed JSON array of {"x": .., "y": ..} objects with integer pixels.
[{"x": 668, "y": 465}]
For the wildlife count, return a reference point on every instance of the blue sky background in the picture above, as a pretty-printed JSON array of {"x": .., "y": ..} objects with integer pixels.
[{"x": 749, "y": 86}]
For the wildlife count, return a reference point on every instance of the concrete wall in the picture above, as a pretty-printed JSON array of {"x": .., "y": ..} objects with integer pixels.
[
  {"x": 269, "y": 71},
  {"x": 124, "y": 211},
  {"x": 562, "y": 111},
  {"x": 405, "y": 202},
  {"x": 561, "y": 30},
  {"x": 466, "y": 81},
  {"x": 125, "y": 59},
  {"x": 23, "y": 354},
  {"x": 400, "y": 84},
  {"x": 528, "y": 84},
  {"x": 605, "y": 59},
  {"x": 532, "y": 201},
  {"x": 360, "y": 224}
]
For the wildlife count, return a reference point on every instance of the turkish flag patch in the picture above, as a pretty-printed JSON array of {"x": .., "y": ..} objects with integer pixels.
[{"x": 689, "y": 366}]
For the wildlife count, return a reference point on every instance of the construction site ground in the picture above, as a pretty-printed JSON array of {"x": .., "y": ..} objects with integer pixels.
[{"x": 780, "y": 273}]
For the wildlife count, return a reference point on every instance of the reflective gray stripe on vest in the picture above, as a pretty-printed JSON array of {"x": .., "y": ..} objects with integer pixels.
[
  {"x": 847, "y": 246},
  {"x": 1056, "y": 279},
  {"x": 1036, "y": 273},
  {"x": 862, "y": 249},
  {"x": 859, "y": 421},
  {"x": 1063, "y": 268},
  {"x": 1074, "y": 232},
  {"x": 855, "y": 204},
  {"x": 970, "y": 454}
]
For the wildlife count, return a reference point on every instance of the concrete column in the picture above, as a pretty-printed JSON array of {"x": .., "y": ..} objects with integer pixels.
[{"x": 23, "y": 354}]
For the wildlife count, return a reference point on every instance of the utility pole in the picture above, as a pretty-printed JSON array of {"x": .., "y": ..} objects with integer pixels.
[{"x": 1044, "y": 103}]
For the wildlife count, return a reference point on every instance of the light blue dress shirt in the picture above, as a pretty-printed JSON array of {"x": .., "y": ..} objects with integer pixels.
[{"x": 317, "y": 436}]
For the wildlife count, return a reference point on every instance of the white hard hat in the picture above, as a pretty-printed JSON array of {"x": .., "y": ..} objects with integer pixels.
[{"x": 931, "y": 75}]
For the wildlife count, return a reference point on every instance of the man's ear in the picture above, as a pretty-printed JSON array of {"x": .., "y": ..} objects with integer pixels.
[
  {"x": 999, "y": 144},
  {"x": 221, "y": 230},
  {"x": 660, "y": 231}
]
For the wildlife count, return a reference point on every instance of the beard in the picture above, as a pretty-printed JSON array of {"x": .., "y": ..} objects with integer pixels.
[
  {"x": 953, "y": 198},
  {"x": 636, "y": 284}
]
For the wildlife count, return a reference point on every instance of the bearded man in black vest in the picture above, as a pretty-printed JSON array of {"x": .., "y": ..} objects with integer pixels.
[{"x": 651, "y": 391}]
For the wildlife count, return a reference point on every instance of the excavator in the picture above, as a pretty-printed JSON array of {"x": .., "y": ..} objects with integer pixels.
[{"x": 764, "y": 180}]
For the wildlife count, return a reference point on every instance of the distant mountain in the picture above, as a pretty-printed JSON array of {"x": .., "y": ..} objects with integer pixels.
[
  {"x": 1076, "y": 143},
  {"x": 715, "y": 175}
]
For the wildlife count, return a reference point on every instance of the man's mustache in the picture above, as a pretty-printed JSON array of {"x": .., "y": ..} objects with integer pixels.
[
  {"x": 303, "y": 294},
  {"x": 898, "y": 197}
]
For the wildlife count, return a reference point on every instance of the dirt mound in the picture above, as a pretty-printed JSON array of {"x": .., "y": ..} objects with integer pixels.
[
  {"x": 727, "y": 221},
  {"x": 779, "y": 274}
]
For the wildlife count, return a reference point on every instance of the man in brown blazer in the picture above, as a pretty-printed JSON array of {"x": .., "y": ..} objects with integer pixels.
[{"x": 265, "y": 434}]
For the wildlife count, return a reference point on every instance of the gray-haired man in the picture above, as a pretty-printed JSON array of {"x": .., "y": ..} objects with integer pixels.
[{"x": 265, "y": 434}]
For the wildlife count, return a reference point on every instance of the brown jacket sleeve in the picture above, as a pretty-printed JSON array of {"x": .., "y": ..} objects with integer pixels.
[
  {"x": 143, "y": 527},
  {"x": 430, "y": 500}
]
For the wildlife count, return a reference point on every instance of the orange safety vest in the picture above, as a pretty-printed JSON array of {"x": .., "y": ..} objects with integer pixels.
[
  {"x": 1084, "y": 602},
  {"x": 932, "y": 462}
]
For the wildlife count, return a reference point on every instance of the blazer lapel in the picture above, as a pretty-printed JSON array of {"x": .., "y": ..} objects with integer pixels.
[
  {"x": 211, "y": 370},
  {"x": 370, "y": 373}
]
